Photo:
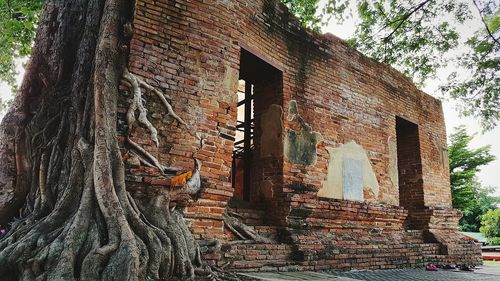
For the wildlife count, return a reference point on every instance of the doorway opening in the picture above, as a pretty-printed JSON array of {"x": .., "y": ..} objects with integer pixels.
[
  {"x": 260, "y": 85},
  {"x": 411, "y": 190}
]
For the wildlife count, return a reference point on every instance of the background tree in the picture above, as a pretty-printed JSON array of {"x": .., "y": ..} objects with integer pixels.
[
  {"x": 467, "y": 193},
  {"x": 491, "y": 226},
  {"x": 482, "y": 203},
  {"x": 18, "y": 21}
]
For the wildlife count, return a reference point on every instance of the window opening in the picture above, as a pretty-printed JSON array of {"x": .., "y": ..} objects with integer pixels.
[
  {"x": 260, "y": 85},
  {"x": 244, "y": 145}
]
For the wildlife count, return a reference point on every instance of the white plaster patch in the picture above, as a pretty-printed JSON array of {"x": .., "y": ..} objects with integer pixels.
[
  {"x": 333, "y": 186},
  {"x": 353, "y": 179},
  {"x": 231, "y": 80},
  {"x": 446, "y": 158},
  {"x": 393, "y": 161},
  {"x": 388, "y": 197}
]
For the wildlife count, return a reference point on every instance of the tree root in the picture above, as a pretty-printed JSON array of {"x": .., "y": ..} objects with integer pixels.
[
  {"x": 134, "y": 83},
  {"x": 137, "y": 104},
  {"x": 168, "y": 106},
  {"x": 163, "y": 169},
  {"x": 241, "y": 230},
  {"x": 194, "y": 183}
]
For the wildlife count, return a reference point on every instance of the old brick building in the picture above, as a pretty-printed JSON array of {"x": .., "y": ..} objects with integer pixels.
[{"x": 338, "y": 160}]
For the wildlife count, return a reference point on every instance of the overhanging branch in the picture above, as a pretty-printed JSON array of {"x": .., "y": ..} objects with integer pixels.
[
  {"x": 490, "y": 33},
  {"x": 405, "y": 18}
]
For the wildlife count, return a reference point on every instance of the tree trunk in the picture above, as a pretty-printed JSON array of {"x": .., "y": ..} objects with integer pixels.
[{"x": 62, "y": 176}]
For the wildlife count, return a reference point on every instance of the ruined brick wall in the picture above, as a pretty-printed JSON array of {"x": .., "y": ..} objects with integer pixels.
[{"x": 334, "y": 101}]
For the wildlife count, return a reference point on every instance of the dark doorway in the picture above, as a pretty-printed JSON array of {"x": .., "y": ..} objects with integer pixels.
[
  {"x": 411, "y": 192},
  {"x": 260, "y": 86}
]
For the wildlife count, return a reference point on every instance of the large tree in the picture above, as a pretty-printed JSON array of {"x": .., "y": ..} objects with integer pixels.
[
  {"x": 482, "y": 201},
  {"x": 62, "y": 171},
  {"x": 467, "y": 193},
  {"x": 18, "y": 21}
]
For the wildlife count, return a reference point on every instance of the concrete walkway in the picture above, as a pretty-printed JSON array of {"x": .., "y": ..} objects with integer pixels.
[
  {"x": 487, "y": 273},
  {"x": 292, "y": 276}
]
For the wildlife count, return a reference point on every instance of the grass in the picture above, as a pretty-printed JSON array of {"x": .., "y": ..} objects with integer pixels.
[{"x": 492, "y": 262}]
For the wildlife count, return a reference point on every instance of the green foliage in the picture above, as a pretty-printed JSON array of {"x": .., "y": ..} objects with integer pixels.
[
  {"x": 464, "y": 166},
  {"x": 18, "y": 19},
  {"x": 494, "y": 241},
  {"x": 420, "y": 37},
  {"x": 481, "y": 203},
  {"x": 417, "y": 37},
  {"x": 491, "y": 226},
  {"x": 410, "y": 35},
  {"x": 467, "y": 193},
  {"x": 313, "y": 16},
  {"x": 3, "y": 106},
  {"x": 480, "y": 91}
]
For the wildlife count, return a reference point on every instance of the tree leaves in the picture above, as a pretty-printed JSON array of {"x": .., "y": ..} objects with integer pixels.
[
  {"x": 479, "y": 92},
  {"x": 491, "y": 226},
  {"x": 467, "y": 193},
  {"x": 412, "y": 36},
  {"x": 313, "y": 16},
  {"x": 416, "y": 37},
  {"x": 421, "y": 37},
  {"x": 18, "y": 20}
]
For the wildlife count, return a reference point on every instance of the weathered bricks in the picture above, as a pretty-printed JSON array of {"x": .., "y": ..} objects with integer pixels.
[{"x": 190, "y": 50}]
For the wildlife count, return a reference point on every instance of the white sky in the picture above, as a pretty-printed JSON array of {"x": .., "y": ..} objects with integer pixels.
[{"x": 489, "y": 175}]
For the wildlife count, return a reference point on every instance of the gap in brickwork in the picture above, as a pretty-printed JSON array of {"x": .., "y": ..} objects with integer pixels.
[
  {"x": 411, "y": 193},
  {"x": 260, "y": 85}
]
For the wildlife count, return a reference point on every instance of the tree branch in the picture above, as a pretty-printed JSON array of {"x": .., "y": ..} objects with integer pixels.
[
  {"x": 406, "y": 17},
  {"x": 485, "y": 24}
]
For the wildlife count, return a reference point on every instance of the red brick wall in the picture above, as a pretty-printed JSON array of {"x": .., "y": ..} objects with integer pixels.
[{"x": 191, "y": 51}]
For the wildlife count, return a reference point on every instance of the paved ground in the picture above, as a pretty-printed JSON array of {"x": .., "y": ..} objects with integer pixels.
[
  {"x": 487, "y": 273},
  {"x": 293, "y": 276}
]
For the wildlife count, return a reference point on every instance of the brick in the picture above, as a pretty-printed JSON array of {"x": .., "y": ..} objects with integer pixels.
[{"x": 190, "y": 50}]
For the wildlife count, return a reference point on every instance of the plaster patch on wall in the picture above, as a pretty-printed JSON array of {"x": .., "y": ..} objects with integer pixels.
[
  {"x": 390, "y": 196},
  {"x": 445, "y": 157},
  {"x": 353, "y": 179},
  {"x": 271, "y": 140},
  {"x": 267, "y": 190},
  {"x": 230, "y": 81},
  {"x": 442, "y": 153},
  {"x": 333, "y": 186},
  {"x": 393, "y": 161},
  {"x": 300, "y": 147},
  {"x": 293, "y": 111}
]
